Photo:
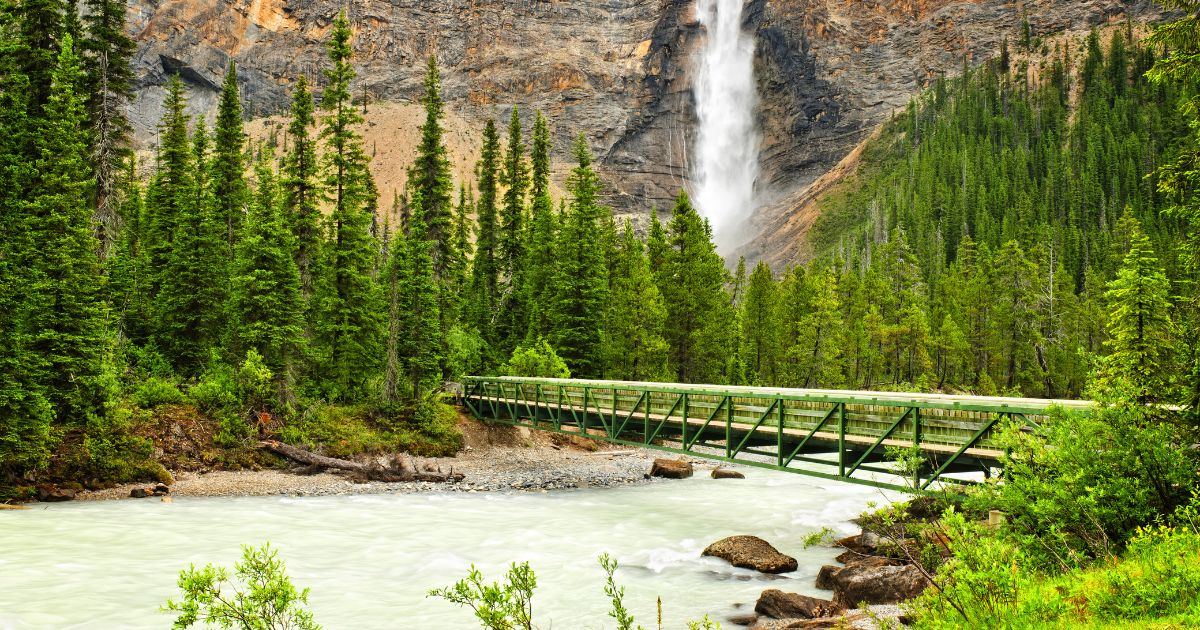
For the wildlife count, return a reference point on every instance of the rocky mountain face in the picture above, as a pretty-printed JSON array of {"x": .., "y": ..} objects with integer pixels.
[{"x": 619, "y": 71}]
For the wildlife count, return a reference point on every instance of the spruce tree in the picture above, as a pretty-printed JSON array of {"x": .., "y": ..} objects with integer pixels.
[
  {"x": 349, "y": 322},
  {"x": 301, "y": 188},
  {"x": 539, "y": 263},
  {"x": 229, "y": 160},
  {"x": 692, "y": 280},
  {"x": 266, "y": 305},
  {"x": 415, "y": 343},
  {"x": 128, "y": 266},
  {"x": 760, "y": 326},
  {"x": 485, "y": 266},
  {"x": 513, "y": 240},
  {"x": 1139, "y": 324},
  {"x": 430, "y": 173},
  {"x": 105, "y": 52},
  {"x": 68, "y": 315},
  {"x": 636, "y": 348},
  {"x": 581, "y": 281}
]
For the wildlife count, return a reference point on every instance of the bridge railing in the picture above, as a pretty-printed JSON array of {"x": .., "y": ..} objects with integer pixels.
[{"x": 950, "y": 429}]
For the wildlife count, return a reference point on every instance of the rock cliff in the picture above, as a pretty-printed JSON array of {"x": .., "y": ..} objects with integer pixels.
[{"x": 829, "y": 71}]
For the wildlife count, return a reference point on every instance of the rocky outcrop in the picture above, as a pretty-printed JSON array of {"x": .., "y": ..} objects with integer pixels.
[
  {"x": 55, "y": 494},
  {"x": 751, "y": 552},
  {"x": 829, "y": 71},
  {"x": 671, "y": 469}
]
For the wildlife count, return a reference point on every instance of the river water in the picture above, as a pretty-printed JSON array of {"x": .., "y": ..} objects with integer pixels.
[{"x": 369, "y": 560}]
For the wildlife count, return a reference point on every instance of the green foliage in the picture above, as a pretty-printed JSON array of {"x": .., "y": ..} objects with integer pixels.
[
  {"x": 537, "y": 359},
  {"x": 229, "y": 188},
  {"x": 429, "y": 176},
  {"x": 497, "y": 606},
  {"x": 156, "y": 391},
  {"x": 616, "y": 594},
  {"x": 636, "y": 348},
  {"x": 259, "y": 596},
  {"x": 484, "y": 302}
]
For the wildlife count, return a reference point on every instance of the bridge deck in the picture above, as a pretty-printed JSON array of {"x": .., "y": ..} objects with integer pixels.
[{"x": 953, "y": 434}]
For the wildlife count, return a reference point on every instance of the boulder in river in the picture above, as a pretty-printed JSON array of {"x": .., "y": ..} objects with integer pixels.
[
  {"x": 141, "y": 493},
  {"x": 877, "y": 585},
  {"x": 751, "y": 552},
  {"x": 53, "y": 494},
  {"x": 726, "y": 473},
  {"x": 671, "y": 469},
  {"x": 777, "y": 604},
  {"x": 161, "y": 489}
]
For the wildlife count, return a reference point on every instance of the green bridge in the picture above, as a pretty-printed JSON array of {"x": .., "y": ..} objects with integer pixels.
[{"x": 843, "y": 435}]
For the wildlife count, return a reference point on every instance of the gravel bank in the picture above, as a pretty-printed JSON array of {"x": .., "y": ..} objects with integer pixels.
[{"x": 494, "y": 459}]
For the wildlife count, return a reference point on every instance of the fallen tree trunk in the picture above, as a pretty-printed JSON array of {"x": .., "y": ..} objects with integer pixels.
[{"x": 400, "y": 468}]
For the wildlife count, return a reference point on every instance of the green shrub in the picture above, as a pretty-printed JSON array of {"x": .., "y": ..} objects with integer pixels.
[
  {"x": 265, "y": 598},
  {"x": 255, "y": 383},
  {"x": 536, "y": 360},
  {"x": 156, "y": 391},
  {"x": 217, "y": 391},
  {"x": 464, "y": 352}
]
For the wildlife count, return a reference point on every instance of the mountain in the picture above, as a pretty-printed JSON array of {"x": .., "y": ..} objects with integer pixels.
[{"x": 829, "y": 73}]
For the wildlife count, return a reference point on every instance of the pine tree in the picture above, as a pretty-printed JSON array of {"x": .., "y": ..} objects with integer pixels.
[
  {"x": 581, "y": 281},
  {"x": 105, "y": 52},
  {"x": 760, "y": 326},
  {"x": 513, "y": 240},
  {"x": 229, "y": 161},
  {"x": 68, "y": 316},
  {"x": 539, "y": 264},
  {"x": 1139, "y": 324},
  {"x": 692, "y": 280},
  {"x": 171, "y": 191},
  {"x": 636, "y": 348},
  {"x": 415, "y": 342},
  {"x": 350, "y": 327},
  {"x": 190, "y": 303},
  {"x": 128, "y": 266},
  {"x": 430, "y": 174},
  {"x": 485, "y": 266},
  {"x": 266, "y": 305},
  {"x": 39, "y": 26},
  {"x": 301, "y": 188}
]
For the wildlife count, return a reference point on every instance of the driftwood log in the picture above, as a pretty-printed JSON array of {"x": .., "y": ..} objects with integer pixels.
[{"x": 400, "y": 468}]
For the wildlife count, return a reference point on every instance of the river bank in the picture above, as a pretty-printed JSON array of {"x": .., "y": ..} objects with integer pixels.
[{"x": 494, "y": 458}]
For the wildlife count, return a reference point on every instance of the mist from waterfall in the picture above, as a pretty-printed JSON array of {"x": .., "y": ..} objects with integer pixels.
[{"x": 725, "y": 155}]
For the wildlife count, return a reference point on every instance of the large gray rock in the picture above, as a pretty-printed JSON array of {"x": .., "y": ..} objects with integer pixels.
[{"x": 751, "y": 552}]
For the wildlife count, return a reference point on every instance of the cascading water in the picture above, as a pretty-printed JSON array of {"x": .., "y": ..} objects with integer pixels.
[{"x": 725, "y": 161}]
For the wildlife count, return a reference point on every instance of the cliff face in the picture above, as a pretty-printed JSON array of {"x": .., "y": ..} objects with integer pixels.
[{"x": 829, "y": 71}]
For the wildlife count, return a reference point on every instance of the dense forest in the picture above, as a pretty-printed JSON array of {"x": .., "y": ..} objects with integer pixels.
[{"x": 1012, "y": 229}]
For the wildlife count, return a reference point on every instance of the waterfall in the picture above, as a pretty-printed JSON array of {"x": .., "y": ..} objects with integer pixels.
[{"x": 725, "y": 160}]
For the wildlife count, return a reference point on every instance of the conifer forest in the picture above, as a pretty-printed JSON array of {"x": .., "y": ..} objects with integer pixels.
[{"x": 1028, "y": 226}]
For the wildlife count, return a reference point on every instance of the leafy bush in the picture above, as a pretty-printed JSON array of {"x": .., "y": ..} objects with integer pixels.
[
  {"x": 497, "y": 606},
  {"x": 156, "y": 391},
  {"x": 536, "y": 360},
  {"x": 255, "y": 383},
  {"x": 265, "y": 599},
  {"x": 464, "y": 352},
  {"x": 217, "y": 390}
]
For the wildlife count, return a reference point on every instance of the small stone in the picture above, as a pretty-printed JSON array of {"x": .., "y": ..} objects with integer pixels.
[
  {"x": 141, "y": 493},
  {"x": 726, "y": 473},
  {"x": 161, "y": 489},
  {"x": 671, "y": 469}
]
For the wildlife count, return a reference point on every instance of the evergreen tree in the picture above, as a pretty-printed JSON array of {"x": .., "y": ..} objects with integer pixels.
[
  {"x": 692, "y": 282},
  {"x": 429, "y": 175},
  {"x": 105, "y": 52},
  {"x": 301, "y": 188},
  {"x": 68, "y": 315},
  {"x": 350, "y": 328},
  {"x": 128, "y": 266},
  {"x": 636, "y": 347},
  {"x": 581, "y": 281},
  {"x": 265, "y": 302},
  {"x": 485, "y": 266},
  {"x": 539, "y": 264},
  {"x": 760, "y": 326},
  {"x": 513, "y": 240},
  {"x": 229, "y": 161},
  {"x": 171, "y": 191},
  {"x": 1139, "y": 324},
  {"x": 415, "y": 342}
]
